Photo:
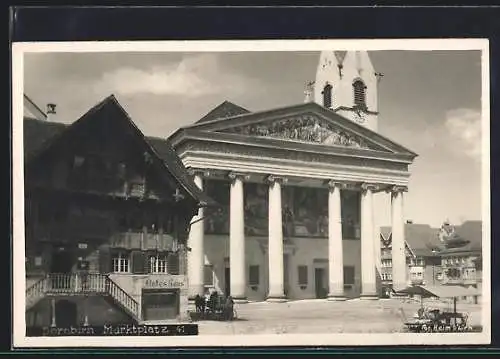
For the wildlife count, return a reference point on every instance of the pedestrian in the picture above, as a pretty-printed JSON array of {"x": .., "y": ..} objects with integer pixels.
[{"x": 228, "y": 308}]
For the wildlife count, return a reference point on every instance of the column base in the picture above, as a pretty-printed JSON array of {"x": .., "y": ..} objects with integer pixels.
[
  {"x": 336, "y": 298},
  {"x": 276, "y": 299},
  {"x": 240, "y": 300},
  {"x": 369, "y": 297}
]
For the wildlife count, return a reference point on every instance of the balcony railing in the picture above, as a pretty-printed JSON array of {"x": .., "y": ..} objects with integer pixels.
[{"x": 78, "y": 284}]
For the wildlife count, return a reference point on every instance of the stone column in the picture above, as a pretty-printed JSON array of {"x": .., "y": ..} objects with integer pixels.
[
  {"x": 237, "y": 263},
  {"x": 335, "y": 248},
  {"x": 196, "y": 256},
  {"x": 368, "y": 272},
  {"x": 398, "y": 239},
  {"x": 275, "y": 247}
]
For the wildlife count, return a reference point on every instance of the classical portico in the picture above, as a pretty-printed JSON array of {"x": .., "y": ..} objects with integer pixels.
[{"x": 303, "y": 146}]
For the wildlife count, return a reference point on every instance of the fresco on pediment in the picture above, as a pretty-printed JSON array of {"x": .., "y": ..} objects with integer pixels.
[{"x": 305, "y": 128}]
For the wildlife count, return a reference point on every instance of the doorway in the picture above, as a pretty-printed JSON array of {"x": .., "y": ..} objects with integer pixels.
[
  {"x": 319, "y": 278},
  {"x": 66, "y": 313},
  {"x": 62, "y": 261},
  {"x": 286, "y": 282},
  {"x": 227, "y": 281},
  {"x": 159, "y": 304},
  {"x": 61, "y": 264}
]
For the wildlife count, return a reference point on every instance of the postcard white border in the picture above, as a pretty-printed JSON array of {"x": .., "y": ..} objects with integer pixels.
[{"x": 354, "y": 339}]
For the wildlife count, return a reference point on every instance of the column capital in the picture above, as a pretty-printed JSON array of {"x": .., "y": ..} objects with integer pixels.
[
  {"x": 237, "y": 175},
  {"x": 397, "y": 189},
  {"x": 199, "y": 172},
  {"x": 274, "y": 178},
  {"x": 370, "y": 187},
  {"x": 332, "y": 184}
]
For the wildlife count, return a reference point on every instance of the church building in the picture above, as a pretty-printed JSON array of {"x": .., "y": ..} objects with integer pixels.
[{"x": 296, "y": 191}]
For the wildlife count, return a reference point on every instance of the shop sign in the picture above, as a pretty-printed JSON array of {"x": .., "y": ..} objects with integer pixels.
[{"x": 165, "y": 282}]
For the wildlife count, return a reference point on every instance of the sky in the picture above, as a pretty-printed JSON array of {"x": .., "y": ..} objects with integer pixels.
[{"x": 429, "y": 102}]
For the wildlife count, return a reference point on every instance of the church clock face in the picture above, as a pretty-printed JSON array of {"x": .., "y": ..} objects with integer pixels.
[{"x": 359, "y": 116}]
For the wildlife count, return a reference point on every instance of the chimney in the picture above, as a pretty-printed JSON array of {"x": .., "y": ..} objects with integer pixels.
[
  {"x": 51, "y": 111},
  {"x": 309, "y": 91}
]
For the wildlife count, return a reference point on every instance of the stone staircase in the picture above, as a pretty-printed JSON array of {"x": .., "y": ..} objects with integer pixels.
[{"x": 82, "y": 284}]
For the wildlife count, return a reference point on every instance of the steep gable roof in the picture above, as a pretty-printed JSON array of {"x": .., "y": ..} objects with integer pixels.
[
  {"x": 46, "y": 135},
  {"x": 420, "y": 238},
  {"x": 224, "y": 110},
  {"x": 37, "y": 132},
  {"x": 33, "y": 109}
]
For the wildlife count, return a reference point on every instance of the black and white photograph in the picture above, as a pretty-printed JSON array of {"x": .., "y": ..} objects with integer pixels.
[{"x": 216, "y": 193}]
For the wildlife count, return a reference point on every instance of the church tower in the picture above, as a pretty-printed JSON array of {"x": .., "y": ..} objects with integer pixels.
[{"x": 346, "y": 83}]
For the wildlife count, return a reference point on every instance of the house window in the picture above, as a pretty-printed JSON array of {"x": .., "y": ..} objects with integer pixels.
[
  {"x": 327, "y": 96},
  {"x": 387, "y": 263},
  {"x": 386, "y": 276},
  {"x": 359, "y": 94},
  {"x": 209, "y": 276},
  {"x": 158, "y": 264},
  {"x": 302, "y": 275},
  {"x": 253, "y": 275},
  {"x": 120, "y": 262},
  {"x": 349, "y": 275}
]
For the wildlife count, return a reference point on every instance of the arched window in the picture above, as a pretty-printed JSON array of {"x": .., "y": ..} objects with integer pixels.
[
  {"x": 359, "y": 94},
  {"x": 327, "y": 96}
]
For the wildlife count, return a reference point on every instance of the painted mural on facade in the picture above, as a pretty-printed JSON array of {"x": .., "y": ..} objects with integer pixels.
[{"x": 304, "y": 211}]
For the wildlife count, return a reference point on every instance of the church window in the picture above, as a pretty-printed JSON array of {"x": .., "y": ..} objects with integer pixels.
[
  {"x": 303, "y": 278},
  {"x": 359, "y": 94},
  {"x": 327, "y": 96},
  {"x": 253, "y": 275}
]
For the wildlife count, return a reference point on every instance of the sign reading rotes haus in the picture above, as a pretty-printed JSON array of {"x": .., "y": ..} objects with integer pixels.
[{"x": 166, "y": 282}]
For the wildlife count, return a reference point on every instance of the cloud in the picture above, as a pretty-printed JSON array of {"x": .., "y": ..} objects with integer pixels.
[
  {"x": 194, "y": 76},
  {"x": 464, "y": 127}
]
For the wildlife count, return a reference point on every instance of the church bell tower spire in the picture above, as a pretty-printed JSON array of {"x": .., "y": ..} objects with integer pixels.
[{"x": 347, "y": 84}]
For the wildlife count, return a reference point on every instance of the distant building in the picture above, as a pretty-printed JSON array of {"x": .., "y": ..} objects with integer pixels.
[
  {"x": 32, "y": 111},
  {"x": 422, "y": 255},
  {"x": 450, "y": 255},
  {"x": 461, "y": 253}
]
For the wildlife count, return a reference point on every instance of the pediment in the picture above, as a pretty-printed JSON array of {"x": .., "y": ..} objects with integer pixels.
[{"x": 307, "y": 127}]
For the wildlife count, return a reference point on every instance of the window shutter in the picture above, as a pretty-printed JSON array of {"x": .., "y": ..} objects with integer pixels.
[
  {"x": 104, "y": 260},
  {"x": 146, "y": 255},
  {"x": 138, "y": 265},
  {"x": 173, "y": 263}
]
